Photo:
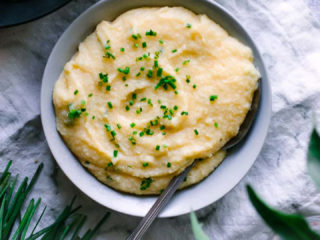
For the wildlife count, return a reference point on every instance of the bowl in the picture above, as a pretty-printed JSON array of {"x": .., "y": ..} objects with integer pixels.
[{"x": 216, "y": 185}]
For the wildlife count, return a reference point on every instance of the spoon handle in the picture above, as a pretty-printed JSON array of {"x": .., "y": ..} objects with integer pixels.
[{"x": 161, "y": 202}]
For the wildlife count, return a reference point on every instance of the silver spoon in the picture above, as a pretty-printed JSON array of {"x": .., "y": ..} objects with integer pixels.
[{"x": 172, "y": 187}]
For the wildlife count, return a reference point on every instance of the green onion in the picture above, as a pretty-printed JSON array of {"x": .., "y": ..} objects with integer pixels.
[
  {"x": 113, "y": 133},
  {"x": 184, "y": 113},
  {"x": 103, "y": 77},
  {"x": 145, "y": 184},
  {"x": 213, "y": 97},
  {"x": 151, "y": 33},
  {"x": 107, "y": 126},
  {"x": 186, "y": 61},
  {"x": 115, "y": 153},
  {"x": 159, "y": 72},
  {"x": 110, "y": 105},
  {"x": 150, "y": 73},
  {"x": 126, "y": 70},
  {"x": 145, "y": 164},
  {"x": 109, "y": 55}
]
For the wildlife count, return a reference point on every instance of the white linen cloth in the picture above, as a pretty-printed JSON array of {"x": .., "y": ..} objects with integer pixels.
[{"x": 288, "y": 36}]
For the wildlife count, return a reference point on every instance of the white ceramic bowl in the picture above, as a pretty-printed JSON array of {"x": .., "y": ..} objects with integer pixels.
[{"x": 224, "y": 178}]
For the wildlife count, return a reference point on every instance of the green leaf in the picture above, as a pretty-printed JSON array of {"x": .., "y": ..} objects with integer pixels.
[
  {"x": 197, "y": 228},
  {"x": 287, "y": 226},
  {"x": 314, "y": 157}
]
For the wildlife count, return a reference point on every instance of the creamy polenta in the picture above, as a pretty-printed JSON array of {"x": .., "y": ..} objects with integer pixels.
[{"x": 150, "y": 92}]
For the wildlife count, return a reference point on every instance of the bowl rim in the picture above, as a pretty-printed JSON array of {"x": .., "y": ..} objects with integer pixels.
[{"x": 265, "y": 103}]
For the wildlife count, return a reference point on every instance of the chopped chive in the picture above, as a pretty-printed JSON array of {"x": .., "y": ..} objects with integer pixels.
[
  {"x": 186, "y": 61},
  {"x": 196, "y": 132},
  {"x": 122, "y": 49},
  {"x": 134, "y": 96},
  {"x": 145, "y": 183},
  {"x": 213, "y": 97},
  {"x": 132, "y": 125},
  {"x": 177, "y": 69},
  {"x": 216, "y": 125},
  {"x": 142, "y": 69},
  {"x": 134, "y": 36},
  {"x": 164, "y": 133},
  {"x": 109, "y": 55},
  {"x": 159, "y": 72},
  {"x": 150, "y": 73},
  {"x": 126, "y": 85},
  {"x": 188, "y": 25},
  {"x": 90, "y": 95},
  {"x": 76, "y": 92},
  {"x": 118, "y": 126},
  {"x": 83, "y": 102},
  {"x": 127, "y": 108},
  {"x": 169, "y": 165},
  {"x": 125, "y": 70},
  {"x": 162, "y": 127},
  {"x": 151, "y": 33},
  {"x": 145, "y": 164},
  {"x": 144, "y": 44},
  {"x": 138, "y": 111},
  {"x": 143, "y": 99},
  {"x": 107, "y": 126},
  {"x": 110, "y": 105},
  {"x": 141, "y": 134},
  {"x": 93, "y": 117},
  {"x": 103, "y": 77},
  {"x": 159, "y": 101},
  {"x": 113, "y": 133},
  {"x": 134, "y": 132},
  {"x": 161, "y": 41},
  {"x": 115, "y": 153},
  {"x": 174, "y": 50},
  {"x": 158, "y": 147},
  {"x": 108, "y": 87},
  {"x": 124, "y": 78},
  {"x": 131, "y": 103},
  {"x": 156, "y": 64},
  {"x": 138, "y": 74},
  {"x": 176, "y": 92},
  {"x": 175, "y": 107},
  {"x": 184, "y": 113},
  {"x": 150, "y": 103},
  {"x": 188, "y": 78},
  {"x": 132, "y": 140},
  {"x": 194, "y": 86}
]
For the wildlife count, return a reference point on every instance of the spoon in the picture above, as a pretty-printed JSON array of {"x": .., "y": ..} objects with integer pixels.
[{"x": 175, "y": 182}]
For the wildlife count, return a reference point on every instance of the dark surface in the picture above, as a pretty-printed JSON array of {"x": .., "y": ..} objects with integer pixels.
[{"x": 14, "y": 12}]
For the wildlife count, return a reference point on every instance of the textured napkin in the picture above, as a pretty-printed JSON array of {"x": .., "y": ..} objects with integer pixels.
[{"x": 287, "y": 35}]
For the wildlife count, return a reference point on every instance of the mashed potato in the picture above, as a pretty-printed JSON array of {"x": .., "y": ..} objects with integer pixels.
[{"x": 150, "y": 92}]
